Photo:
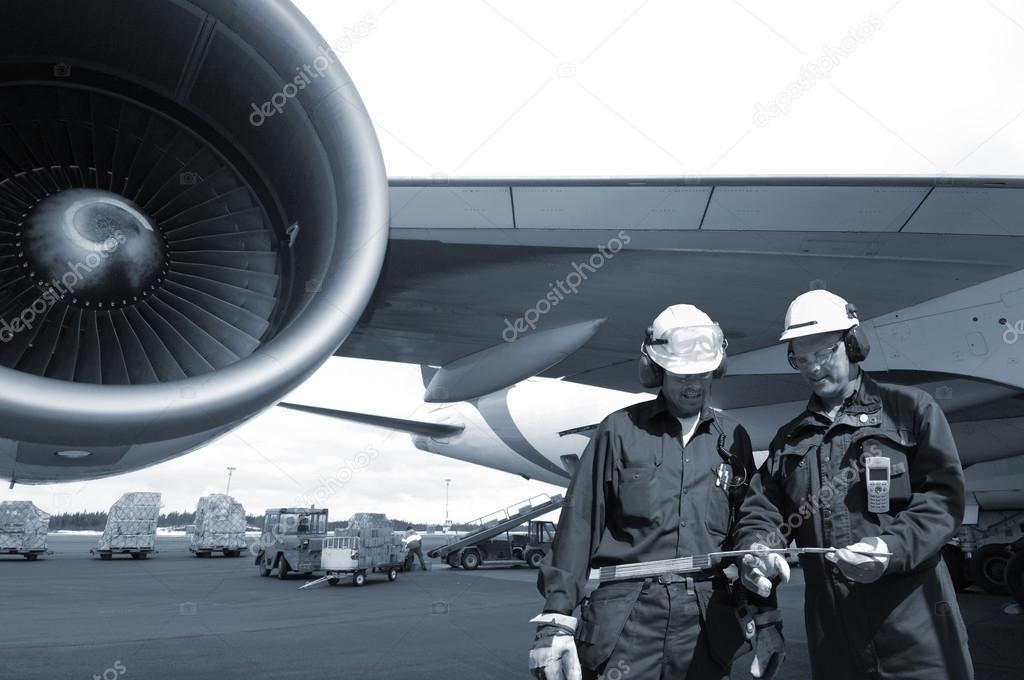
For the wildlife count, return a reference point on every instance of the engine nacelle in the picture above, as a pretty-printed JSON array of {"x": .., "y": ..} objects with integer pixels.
[{"x": 193, "y": 216}]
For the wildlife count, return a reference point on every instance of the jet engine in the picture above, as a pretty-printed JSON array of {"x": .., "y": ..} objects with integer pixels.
[{"x": 193, "y": 216}]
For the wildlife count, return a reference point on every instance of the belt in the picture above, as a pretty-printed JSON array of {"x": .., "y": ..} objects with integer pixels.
[{"x": 666, "y": 579}]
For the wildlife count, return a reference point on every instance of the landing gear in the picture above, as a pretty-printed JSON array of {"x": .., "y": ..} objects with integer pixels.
[
  {"x": 1015, "y": 576},
  {"x": 988, "y": 568}
]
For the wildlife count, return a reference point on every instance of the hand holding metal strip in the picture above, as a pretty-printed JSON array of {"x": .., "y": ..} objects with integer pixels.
[{"x": 698, "y": 563}]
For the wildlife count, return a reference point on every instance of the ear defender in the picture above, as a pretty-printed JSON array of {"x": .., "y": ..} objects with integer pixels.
[
  {"x": 653, "y": 375},
  {"x": 650, "y": 373},
  {"x": 855, "y": 339},
  {"x": 722, "y": 367}
]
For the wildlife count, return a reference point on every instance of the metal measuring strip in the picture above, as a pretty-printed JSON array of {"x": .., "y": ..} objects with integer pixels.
[{"x": 699, "y": 563}]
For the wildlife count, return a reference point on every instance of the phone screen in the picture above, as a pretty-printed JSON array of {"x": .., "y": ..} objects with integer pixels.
[{"x": 878, "y": 475}]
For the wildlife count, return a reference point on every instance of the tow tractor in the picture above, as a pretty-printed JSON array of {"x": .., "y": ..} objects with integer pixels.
[{"x": 291, "y": 541}]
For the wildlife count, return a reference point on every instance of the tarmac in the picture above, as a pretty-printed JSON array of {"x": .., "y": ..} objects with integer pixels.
[{"x": 69, "y": 615}]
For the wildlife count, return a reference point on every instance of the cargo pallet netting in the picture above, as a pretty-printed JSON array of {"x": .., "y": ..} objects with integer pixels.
[
  {"x": 23, "y": 529},
  {"x": 219, "y": 527},
  {"x": 131, "y": 527}
]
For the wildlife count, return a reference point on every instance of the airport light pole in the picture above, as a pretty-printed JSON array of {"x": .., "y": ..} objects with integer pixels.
[
  {"x": 230, "y": 470},
  {"x": 447, "y": 483}
]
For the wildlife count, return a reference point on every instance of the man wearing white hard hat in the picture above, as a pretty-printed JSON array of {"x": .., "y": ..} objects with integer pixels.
[
  {"x": 660, "y": 480},
  {"x": 871, "y": 470}
]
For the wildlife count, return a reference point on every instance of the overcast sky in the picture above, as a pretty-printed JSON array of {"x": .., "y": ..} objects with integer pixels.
[{"x": 514, "y": 88}]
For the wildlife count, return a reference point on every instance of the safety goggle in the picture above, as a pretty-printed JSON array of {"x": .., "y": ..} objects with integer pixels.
[
  {"x": 818, "y": 358},
  {"x": 692, "y": 343}
]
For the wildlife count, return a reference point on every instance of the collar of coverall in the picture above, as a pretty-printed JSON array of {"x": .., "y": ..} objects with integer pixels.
[
  {"x": 865, "y": 401},
  {"x": 660, "y": 406}
]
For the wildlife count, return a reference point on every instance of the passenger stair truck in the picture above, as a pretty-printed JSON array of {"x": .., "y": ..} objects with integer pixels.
[
  {"x": 23, "y": 529},
  {"x": 219, "y": 527},
  {"x": 367, "y": 545},
  {"x": 131, "y": 527},
  {"x": 481, "y": 545}
]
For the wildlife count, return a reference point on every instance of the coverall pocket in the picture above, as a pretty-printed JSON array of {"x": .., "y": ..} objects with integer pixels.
[
  {"x": 793, "y": 471},
  {"x": 898, "y": 448},
  {"x": 717, "y": 514},
  {"x": 722, "y": 629},
  {"x": 601, "y": 620},
  {"x": 636, "y": 493}
]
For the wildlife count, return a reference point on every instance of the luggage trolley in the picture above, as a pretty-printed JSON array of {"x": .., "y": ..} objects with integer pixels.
[{"x": 344, "y": 556}]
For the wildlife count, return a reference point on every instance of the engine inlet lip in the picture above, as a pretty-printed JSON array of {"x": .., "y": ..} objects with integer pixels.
[{"x": 80, "y": 416}]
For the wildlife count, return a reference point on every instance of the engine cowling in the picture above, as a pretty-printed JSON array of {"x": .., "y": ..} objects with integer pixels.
[{"x": 193, "y": 215}]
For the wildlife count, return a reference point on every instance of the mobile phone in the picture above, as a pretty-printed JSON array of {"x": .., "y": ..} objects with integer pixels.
[{"x": 878, "y": 472}]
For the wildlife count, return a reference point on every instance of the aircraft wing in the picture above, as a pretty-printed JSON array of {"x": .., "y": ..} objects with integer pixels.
[{"x": 470, "y": 263}]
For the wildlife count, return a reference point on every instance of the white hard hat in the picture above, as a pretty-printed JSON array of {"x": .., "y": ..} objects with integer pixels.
[
  {"x": 685, "y": 340},
  {"x": 817, "y": 311}
]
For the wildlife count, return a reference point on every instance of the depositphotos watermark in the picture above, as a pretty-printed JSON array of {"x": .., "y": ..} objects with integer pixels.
[
  {"x": 57, "y": 289},
  {"x": 813, "y": 502},
  {"x": 561, "y": 288},
  {"x": 1013, "y": 332},
  {"x": 328, "y": 486},
  {"x": 112, "y": 673},
  {"x": 617, "y": 672},
  {"x": 307, "y": 73},
  {"x": 812, "y": 72}
]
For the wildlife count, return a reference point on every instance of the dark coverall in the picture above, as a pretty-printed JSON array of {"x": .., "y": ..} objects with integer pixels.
[
  {"x": 639, "y": 495},
  {"x": 907, "y": 624}
]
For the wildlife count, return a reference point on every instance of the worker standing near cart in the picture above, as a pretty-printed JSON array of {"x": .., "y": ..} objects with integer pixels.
[
  {"x": 659, "y": 480},
  {"x": 873, "y": 470},
  {"x": 413, "y": 543}
]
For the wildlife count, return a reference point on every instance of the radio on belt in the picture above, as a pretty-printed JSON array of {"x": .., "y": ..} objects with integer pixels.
[{"x": 878, "y": 483}]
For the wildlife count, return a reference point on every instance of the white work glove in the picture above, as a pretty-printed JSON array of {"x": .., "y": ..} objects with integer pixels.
[
  {"x": 553, "y": 655},
  {"x": 758, "y": 570},
  {"x": 859, "y": 567}
]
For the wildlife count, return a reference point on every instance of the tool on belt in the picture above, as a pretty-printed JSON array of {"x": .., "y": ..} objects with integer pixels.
[{"x": 699, "y": 563}]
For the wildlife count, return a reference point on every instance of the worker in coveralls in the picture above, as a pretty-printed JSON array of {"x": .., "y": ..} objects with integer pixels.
[
  {"x": 659, "y": 480},
  {"x": 870, "y": 469},
  {"x": 413, "y": 543}
]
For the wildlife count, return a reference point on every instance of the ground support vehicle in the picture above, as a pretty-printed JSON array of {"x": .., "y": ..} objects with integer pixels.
[
  {"x": 485, "y": 545},
  {"x": 291, "y": 541}
]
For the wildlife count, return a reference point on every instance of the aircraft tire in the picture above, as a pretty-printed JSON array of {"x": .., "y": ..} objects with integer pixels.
[
  {"x": 988, "y": 568},
  {"x": 1015, "y": 576}
]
